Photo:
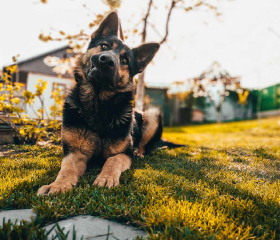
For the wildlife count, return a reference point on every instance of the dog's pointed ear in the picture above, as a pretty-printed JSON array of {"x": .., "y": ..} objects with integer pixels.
[
  {"x": 144, "y": 54},
  {"x": 121, "y": 32},
  {"x": 109, "y": 26}
]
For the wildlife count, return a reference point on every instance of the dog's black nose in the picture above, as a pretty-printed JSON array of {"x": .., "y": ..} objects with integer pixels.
[{"x": 106, "y": 59}]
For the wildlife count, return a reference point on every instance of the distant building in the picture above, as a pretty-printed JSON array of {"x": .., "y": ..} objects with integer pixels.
[
  {"x": 231, "y": 110},
  {"x": 156, "y": 96},
  {"x": 197, "y": 116},
  {"x": 213, "y": 96},
  {"x": 268, "y": 101},
  {"x": 33, "y": 68},
  {"x": 175, "y": 110}
]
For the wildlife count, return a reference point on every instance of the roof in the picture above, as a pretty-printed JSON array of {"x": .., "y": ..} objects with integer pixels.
[
  {"x": 29, "y": 58},
  {"x": 157, "y": 86},
  {"x": 273, "y": 85}
]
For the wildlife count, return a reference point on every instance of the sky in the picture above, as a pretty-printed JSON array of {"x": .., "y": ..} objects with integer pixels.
[{"x": 245, "y": 40}]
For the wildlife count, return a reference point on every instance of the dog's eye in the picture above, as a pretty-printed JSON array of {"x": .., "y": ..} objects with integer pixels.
[
  {"x": 124, "y": 61},
  {"x": 104, "y": 46}
]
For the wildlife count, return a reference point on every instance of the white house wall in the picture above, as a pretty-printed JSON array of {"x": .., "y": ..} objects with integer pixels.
[
  {"x": 227, "y": 111},
  {"x": 210, "y": 114},
  {"x": 230, "y": 111},
  {"x": 31, "y": 83}
]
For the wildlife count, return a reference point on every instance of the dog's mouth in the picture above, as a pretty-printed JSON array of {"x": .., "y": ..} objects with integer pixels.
[
  {"x": 98, "y": 76},
  {"x": 91, "y": 69}
]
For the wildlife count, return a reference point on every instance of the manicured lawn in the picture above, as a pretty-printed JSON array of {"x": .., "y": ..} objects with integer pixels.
[{"x": 223, "y": 185}]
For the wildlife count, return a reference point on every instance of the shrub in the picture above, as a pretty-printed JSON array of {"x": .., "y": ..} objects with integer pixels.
[{"x": 30, "y": 130}]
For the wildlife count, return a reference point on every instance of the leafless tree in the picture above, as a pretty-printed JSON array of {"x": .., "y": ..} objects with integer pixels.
[
  {"x": 215, "y": 84},
  {"x": 174, "y": 4}
]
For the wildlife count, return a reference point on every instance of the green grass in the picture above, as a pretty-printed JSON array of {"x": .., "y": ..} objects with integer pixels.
[
  {"x": 32, "y": 231},
  {"x": 224, "y": 185}
]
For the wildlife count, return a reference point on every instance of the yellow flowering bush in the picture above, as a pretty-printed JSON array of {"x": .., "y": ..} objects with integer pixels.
[{"x": 29, "y": 130}]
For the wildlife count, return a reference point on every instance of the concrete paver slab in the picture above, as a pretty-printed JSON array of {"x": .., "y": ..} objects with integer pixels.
[
  {"x": 94, "y": 228},
  {"x": 19, "y": 214}
]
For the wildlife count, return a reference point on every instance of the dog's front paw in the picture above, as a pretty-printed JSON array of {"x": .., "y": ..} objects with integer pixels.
[
  {"x": 138, "y": 155},
  {"x": 108, "y": 180},
  {"x": 54, "y": 188}
]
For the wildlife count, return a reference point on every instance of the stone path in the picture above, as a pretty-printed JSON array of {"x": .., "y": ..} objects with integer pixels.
[
  {"x": 97, "y": 228},
  {"x": 89, "y": 227},
  {"x": 19, "y": 214}
]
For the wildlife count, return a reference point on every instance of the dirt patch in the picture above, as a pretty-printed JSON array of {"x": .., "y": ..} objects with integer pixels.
[{"x": 5, "y": 150}]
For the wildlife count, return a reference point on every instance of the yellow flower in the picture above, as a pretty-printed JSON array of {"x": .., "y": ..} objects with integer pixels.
[{"x": 16, "y": 100}]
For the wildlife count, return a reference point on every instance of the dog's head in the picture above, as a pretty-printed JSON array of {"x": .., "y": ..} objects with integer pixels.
[{"x": 108, "y": 62}]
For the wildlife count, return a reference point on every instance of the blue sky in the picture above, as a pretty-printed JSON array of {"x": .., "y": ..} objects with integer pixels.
[{"x": 245, "y": 40}]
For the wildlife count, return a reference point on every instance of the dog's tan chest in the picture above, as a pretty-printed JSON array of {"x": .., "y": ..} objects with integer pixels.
[{"x": 89, "y": 143}]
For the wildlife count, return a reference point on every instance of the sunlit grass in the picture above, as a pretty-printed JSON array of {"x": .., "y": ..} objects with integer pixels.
[
  {"x": 247, "y": 134},
  {"x": 223, "y": 185}
]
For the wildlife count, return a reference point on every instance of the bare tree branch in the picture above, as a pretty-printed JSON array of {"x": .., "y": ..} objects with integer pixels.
[
  {"x": 154, "y": 28},
  {"x": 274, "y": 32},
  {"x": 140, "y": 85},
  {"x": 144, "y": 34},
  {"x": 173, "y": 4}
]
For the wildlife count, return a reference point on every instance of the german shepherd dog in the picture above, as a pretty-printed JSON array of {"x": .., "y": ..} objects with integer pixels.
[{"x": 99, "y": 121}]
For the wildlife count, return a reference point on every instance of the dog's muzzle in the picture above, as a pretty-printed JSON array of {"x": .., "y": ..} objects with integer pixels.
[
  {"x": 104, "y": 62},
  {"x": 102, "y": 68}
]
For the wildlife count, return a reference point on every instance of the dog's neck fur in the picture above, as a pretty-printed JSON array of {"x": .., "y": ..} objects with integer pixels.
[{"x": 97, "y": 106}]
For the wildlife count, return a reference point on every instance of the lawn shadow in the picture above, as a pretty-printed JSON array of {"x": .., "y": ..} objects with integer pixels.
[
  {"x": 260, "y": 210},
  {"x": 126, "y": 202}
]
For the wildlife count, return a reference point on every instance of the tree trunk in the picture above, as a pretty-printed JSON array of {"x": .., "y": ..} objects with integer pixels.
[
  {"x": 259, "y": 107},
  {"x": 218, "y": 116},
  {"x": 140, "y": 86},
  {"x": 218, "y": 109},
  {"x": 139, "y": 103}
]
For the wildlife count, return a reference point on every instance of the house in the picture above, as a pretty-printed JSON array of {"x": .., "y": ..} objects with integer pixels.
[
  {"x": 175, "y": 109},
  {"x": 231, "y": 109},
  {"x": 213, "y": 96},
  {"x": 30, "y": 69},
  {"x": 156, "y": 96},
  {"x": 197, "y": 116},
  {"x": 268, "y": 101},
  {"x": 185, "y": 109}
]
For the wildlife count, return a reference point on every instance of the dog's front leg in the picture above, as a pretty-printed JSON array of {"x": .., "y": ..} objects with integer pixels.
[
  {"x": 112, "y": 169},
  {"x": 72, "y": 167}
]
